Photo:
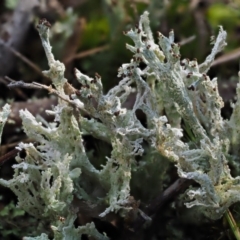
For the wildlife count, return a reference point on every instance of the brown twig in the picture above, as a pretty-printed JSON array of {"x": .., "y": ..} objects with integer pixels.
[
  {"x": 15, "y": 30},
  {"x": 154, "y": 208},
  {"x": 231, "y": 56},
  {"x": 172, "y": 191},
  {"x": 50, "y": 89},
  {"x": 13, "y": 153},
  {"x": 18, "y": 91},
  {"x": 9, "y": 155},
  {"x": 3, "y": 148},
  {"x": 86, "y": 53},
  {"x": 21, "y": 84},
  {"x": 187, "y": 40},
  {"x": 24, "y": 59}
]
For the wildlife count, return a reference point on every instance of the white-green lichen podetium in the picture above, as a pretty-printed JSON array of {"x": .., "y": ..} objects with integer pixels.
[
  {"x": 6, "y": 110},
  {"x": 59, "y": 169}
]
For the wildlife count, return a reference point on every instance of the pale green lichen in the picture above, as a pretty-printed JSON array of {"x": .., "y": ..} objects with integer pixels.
[
  {"x": 58, "y": 168},
  {"x": 3, "y": 117}
]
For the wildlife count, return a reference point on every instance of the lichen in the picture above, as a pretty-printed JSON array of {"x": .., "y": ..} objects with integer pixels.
[{"x": 58, "y": 168}]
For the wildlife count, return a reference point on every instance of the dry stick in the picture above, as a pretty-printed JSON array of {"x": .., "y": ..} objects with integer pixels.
[
  {"x": 231, "y": 56},
  {"x": 16, "y": 84},
  {"x": 86, "y": 53},
  {"x": 14, "y": 144},
  {"x": 24, "y": 59},
  {"x": 69, "y": 59},
  {"x": 35, "y": 85},
  {"x": 172, "y": 191},
  {"x": 154, "y": 208},
  {"x": 16, "y": 27},
  {"x": 17, "y": 90},
  {"x": 169, "y": 194},
  {"x": 186, "y": 40},
  {"x": 142, "y": 1},
  {"x": 11, "y": 154}
]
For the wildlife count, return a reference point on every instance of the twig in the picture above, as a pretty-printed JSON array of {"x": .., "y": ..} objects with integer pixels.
[
  {"x": 17, "y": 90},
  {"x": 187, "y": 40},
  {"x": 3, "y": 148},
  {"x": 141, "y": 1},
  {"x": 86, "y": 53},
  {"x": 23, "y": 58},
  {"x": 235, "y": 54},
  {"x": 9, "y": 155},
  {"x": 172, "y": 191},
  {"x": 34, "y": 85},
  {"x": 16, "y": 28},
  {"x": 154, "y": 209},
  {"x": 20, "y": 83},
  {"x": 13, "y": 153}
]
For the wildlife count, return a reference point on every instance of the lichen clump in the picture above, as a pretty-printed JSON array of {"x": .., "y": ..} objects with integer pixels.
[{"x": 58, "y": 169}]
